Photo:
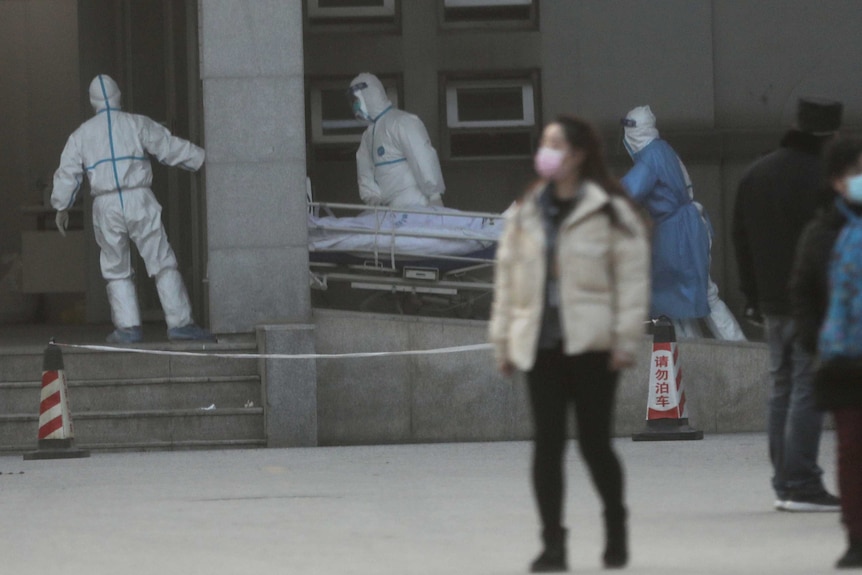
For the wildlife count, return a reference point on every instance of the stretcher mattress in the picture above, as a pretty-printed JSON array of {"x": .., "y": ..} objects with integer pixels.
[{"x": 404, "y": 233}]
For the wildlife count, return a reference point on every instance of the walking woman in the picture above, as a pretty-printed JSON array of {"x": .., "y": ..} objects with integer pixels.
[{"x": 571, "y": 297}]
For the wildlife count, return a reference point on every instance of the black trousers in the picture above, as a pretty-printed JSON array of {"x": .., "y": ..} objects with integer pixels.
[{"x": 557, "y": 382}]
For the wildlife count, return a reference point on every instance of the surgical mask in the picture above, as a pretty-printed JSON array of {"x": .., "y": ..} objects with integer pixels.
[
  {"x": 548, "y": 162},
  {"x": 627, "y": 123},
  {"x": 357, "y": 103},
  {"x": 358, "y": 112},
  {"x": 628, "y": 147},
  {"x": 854, "y": 189}
]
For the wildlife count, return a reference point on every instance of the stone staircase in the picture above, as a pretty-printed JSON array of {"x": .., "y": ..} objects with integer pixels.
[{"x": 131, "y": 401}]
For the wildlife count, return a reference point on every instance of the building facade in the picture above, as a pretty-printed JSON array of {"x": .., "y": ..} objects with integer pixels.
[{"x": 260, "y": 85}]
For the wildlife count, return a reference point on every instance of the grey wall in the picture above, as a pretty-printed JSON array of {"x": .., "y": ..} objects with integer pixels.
[
  {"x": 461, "y": 397},
  {"x": 600, "y": 59},
  {"x": 769, "y": 52},
  {"x": 252, "y": 70}
]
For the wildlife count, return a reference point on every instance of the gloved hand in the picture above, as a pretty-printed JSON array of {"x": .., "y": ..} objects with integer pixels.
[
  {"x": 62, "y": 221},
  {"x": 373, "y": 200},
  {"x": 753, "y": 316}
]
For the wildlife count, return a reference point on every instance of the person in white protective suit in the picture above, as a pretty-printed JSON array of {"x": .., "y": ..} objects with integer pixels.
[
  {"x": 396, "y": 164},
  {"x": 112, "y": 149},
  {"x": 682, "y": 237}
]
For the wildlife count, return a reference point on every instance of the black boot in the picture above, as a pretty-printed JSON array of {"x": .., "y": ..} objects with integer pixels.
[
  {"x": 852, "y": 557},
  {"x": 553, "y": 556},
  {"x": 616, "y": 540}
]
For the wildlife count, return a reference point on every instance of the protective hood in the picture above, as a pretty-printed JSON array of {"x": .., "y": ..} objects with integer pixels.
[
  {"x": 640, "y": 129},
  {"x": 370, "y": 94},
  {"x": 104, "y": 93}
]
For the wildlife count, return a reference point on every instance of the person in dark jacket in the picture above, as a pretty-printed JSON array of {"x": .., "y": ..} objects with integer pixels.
[
  {"x": 837, "y": 390},
  {"x": 777, "y": 196}
]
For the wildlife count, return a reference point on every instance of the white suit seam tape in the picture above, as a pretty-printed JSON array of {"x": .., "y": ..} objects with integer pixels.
[
  {"x": 111, "y": 139},
  {"x": 121, "y": 158},
  {"x": 388, "y": 162}
]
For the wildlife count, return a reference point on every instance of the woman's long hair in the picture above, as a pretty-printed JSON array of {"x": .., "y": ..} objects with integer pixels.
[{"x": 581, "y": 135}]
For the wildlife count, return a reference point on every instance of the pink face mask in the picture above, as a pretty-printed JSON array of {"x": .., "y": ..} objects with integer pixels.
[{"x": 548, "y": 161}]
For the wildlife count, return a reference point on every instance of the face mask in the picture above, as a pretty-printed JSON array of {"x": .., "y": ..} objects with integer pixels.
[
  {"x": 357, "y": 110},
  {"x": 548, "y": 161},
  {"x": 357, "y": 103},
  {"x": 628, "y": 147},
  {"x": 854, "y": 189}
]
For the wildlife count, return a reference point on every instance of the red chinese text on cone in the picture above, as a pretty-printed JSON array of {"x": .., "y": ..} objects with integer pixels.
[
  {"x": 666, "y": 417},
  {"x": 56, "y": 433},
  {"x": 666, "y": 394}
]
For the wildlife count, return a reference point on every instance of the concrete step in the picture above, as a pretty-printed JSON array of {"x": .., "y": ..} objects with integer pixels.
[
  {"x": 138, "y": 394},
  {"x": 155, "y": 429},
  {"x": 131, "y": 400},
  {"x": 25, "y": 363}
]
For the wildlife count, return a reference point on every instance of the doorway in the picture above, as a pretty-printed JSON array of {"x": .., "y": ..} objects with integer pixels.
[{"x": 151, "y": 48}]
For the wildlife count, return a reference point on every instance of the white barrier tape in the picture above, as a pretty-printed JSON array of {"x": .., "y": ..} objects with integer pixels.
[{"x": 441, "y": 350}]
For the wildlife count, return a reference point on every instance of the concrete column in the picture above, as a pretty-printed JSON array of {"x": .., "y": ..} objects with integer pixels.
[
  {"x": 289, "y": 385},
  {"x": 254, "y": 114}
]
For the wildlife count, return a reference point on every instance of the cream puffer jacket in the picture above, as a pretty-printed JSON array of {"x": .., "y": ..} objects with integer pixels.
[{"x": 604, "y": 272}]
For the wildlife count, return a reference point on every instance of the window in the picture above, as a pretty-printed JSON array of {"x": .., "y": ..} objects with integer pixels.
[
  {"x": 330, "y": 117},
  {"x": 489, "y": 13},
  {"x": 490, "y": 104},
  {"x": 349, "y": 12},
  {"x": 492, "y": 116}
]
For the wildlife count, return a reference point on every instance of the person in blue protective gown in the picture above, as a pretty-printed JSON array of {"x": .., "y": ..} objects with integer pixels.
[
  {"x": 681, "y": 287},
  {"x": 113, "y": 149},
  {"x": 396, "y": 165}
]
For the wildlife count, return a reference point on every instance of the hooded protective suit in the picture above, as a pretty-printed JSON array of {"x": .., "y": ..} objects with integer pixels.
[
  {"x": 680, "y": 249},
  {"x": 396, "y": 165},
  {"x": 112, "y": 149}
]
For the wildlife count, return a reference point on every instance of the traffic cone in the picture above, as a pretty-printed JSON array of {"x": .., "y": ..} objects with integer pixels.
[
  {"x": 667, "y": 417},
  {"x": 56, "y": 435}
]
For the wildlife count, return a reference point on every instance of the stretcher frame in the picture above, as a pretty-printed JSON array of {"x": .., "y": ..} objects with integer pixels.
[{"x": 388, "y": 269}]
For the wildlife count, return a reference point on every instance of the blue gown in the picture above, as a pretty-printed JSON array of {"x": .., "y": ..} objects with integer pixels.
[{"x": 680, "y": 239}]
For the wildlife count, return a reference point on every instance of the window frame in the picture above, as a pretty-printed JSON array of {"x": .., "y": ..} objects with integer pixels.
[
  {"x": 359, "y": 12},
  {"x": 524, "y": 77},
  {"x": 351, "y": 19},
  {"x": 528, "y": 103},
  {"x": 530, "y": 23}
]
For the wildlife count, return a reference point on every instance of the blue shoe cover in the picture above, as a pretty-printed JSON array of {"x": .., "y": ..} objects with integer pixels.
[
  {"x": 190, "y": 332},
  {"x": 132, "y": 334}
]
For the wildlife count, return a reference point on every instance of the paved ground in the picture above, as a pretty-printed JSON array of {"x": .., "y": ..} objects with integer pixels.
[{"x": 697, "y": 507}]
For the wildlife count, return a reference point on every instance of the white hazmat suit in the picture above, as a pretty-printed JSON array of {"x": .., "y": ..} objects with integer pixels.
[
  {"x": 112, "y": 149},
  {"x": 396, "y": 164}
]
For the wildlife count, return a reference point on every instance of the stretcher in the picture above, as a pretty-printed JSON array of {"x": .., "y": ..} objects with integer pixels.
[{"x": 425, "y": 261}]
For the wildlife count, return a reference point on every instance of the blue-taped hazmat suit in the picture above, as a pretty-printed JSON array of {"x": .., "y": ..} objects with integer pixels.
[
  {"x": 112, "y": 149},
  {"x": 682, "y": 289},
  {"x": 396, "y": 165}
]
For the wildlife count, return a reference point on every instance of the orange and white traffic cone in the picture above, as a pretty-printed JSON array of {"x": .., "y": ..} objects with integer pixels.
[
  {"x": 56, "y": 434},
  {"x": 667, "y": 416}
]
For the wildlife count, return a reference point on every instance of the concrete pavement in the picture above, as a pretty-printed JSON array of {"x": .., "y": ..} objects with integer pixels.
[{"x": 697, "y": 507}]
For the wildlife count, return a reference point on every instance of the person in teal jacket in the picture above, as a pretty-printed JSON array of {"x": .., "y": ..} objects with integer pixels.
[{"x": 681, "y": 287}]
